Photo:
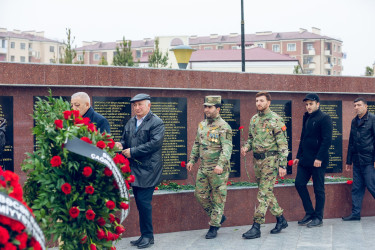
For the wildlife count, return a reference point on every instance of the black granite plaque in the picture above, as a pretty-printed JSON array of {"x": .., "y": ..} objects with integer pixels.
[
  {"x": 6, "y": 111},
  {"x": 230, "y": 112},
  {"x": 334, "y": 110},
  {"x": 284, "y": 109},
  {"x": 173, "y": 112},
  {"x": 117, "y": 111},
  {"x": 370, "y": 107}
]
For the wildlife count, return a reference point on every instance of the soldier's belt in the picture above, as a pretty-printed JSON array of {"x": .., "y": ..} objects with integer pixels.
[{"x": 261, "y": 156}]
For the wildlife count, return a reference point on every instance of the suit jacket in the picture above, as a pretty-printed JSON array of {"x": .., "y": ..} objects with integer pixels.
[
  {"x": 101, "y": 123},
  {"x": 316, "y": 138},
  {"x": 145, "y": 145}
]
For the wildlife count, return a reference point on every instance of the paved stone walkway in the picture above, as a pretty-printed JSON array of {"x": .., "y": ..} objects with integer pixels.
[{"x": 334, "y": 234}]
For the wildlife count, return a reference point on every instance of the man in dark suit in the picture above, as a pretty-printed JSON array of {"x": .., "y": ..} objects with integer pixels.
[
  {"x": 142, "y": 141},
  {"x": 361, "y": 153},
  {"x": 81, "y": 101},
  {"x": 312, "y": 159}
]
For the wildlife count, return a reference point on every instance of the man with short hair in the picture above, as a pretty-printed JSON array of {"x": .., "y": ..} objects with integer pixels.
[
  {"x": 267, "y": 140},
  {"x": 81, "y": 101},
  {"x": 361, "y": 153},
  {"x": 213, "y": 146},
  {"x": 312, "y": 159},
  {"x": 142, "y": 142}
]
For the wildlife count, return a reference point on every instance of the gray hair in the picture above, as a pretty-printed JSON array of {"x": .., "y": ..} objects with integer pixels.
[{"x": 82, "y": 95}]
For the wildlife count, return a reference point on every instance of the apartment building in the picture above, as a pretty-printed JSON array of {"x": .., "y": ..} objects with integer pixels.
[{"x": 29, "y": 47}]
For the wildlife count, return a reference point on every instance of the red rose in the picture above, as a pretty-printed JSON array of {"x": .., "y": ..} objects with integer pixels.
[
  {"x": 78, "y": 120},
  {"x": 110, "y": 204},
  {"x": 109, "y": 236},
  {"x": 89, "y": 189},
  {"x": 59, "y": 124},
  {"x": 120, "y": 229},
  {"x": 4, "y": 235},
  {"x": 124, "y": 205},
  {"x": 349, "y": 182},
  {"x": 87, "y": 171},
  {"x": 84, "y": 239},
  {"x": 115, "y": 184},
  {"x": 101, "y": 144},
  {"x": 131, "y": 178},
  {"x": 67, "y": 114},
  {"x": 86, "y": 139},
  {"x": 111, "y": 218},
  {"x": 56, "y": 161},
  {"x": 290, "y": 162},
  {"x": 107, "y": 172},
  {"x": 276, "y": 182},
  {"x": 111, "y": 143},
  {"x": 183, "y": 164},
  {"x": 125, "y": 169},
  {"x": 127, "y": 184},
  {"x": 92, "y": 246},
  {"x": 35, "y": 244},
  {"x": 90, "y": 214},
  {"x": 229, "y": 183},
  {"x": 113, "y": 248},
  {"x": 115, "y": 236},
  {"x": 66, "y": 188},
  {"x": 241, "y": 127},
  {"x": 74, "y": 212},
  {"x": 17, "y": 193},
  {"x": 22, "y": 238},
  {"x": 4, "y": 220},
  {"x": 10, "y": 246},
  {"x": 100, "y": 234},
  {"x": 282, "y": 178},
  {"x": 16, "y": 226},
  {"x": 101, "y": 221},
  {"x": 156, "y": 188},
  {"x": 119, "y": 159},
  {"x": 76, "y": 113},
  {"x": 91, "y": 127}
]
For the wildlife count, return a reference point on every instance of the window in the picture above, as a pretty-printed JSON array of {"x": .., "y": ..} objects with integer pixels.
[
  {"x": 30, "y": 58},
  {"x": 80, "y": 57},
  {"x": 234, "y": 47},
  {"x": 328, "y": 72},
  {"x": 22, "y": 59},
  {"x": 96, "y": 56},
  {"x": 30, "y": 45},
  {"x": 338, "y": 48},
  {"x": 307, "y": 60},
  {"x": 334, "y": 73},
  {"x": 334, "y": 61},
  {"x": 260, "y": 45},
  {"x": 12, "y": 45},
  {"x": 138, "y": 53},
  {"x": 339, "y": 62},
  {"x": 310, "y": 46},
  {"x": 334, "y": 47},
  {"x": 291, "y": 47},
  {"x": 2, "y": 43},
  {"x": 220, "y": 47},
  {"x": 51, "y": 48},
  {"x": 207, "y": 48},
  {"x": 276, "y": 47},
  {"x": 23, "y": 45},
  {"x": 51, "y": 61},
  {"x": 12, "y": 58},
  {"x": 328, "y": 59},
  {"x": 309, "y": 72}
]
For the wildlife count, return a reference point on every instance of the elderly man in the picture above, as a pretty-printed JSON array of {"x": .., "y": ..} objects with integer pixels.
[
  {"x": 142, "y": 141},
  {"x": 81, "y": 101}
]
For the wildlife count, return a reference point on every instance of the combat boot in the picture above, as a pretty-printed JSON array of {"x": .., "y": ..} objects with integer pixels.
[
  {"x": 253, "y": 233},
  {"x": 280, "y": 225},
  {"x": 212, "y": 232}
]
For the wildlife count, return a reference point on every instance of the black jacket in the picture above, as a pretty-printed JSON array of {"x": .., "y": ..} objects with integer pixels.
[
  {"x": 145, "y": 147},
  {"x": 362, "y": 141},
  {"x": 99, "y": 120},
  {"x": 316, "y": 138}
]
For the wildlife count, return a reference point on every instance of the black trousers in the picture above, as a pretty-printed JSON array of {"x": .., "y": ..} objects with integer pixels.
[
  {"x": 143, "y": 198},
  {"x": 363, "y": 176},
  {"x": 304, "y": 174}
]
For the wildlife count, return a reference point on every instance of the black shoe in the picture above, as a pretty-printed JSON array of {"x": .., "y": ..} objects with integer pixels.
[
  {"x": 253, "y": 233},
  {"x": 305, "y": 220},
  {"x": 212, "y": 232},
  {"x": 280, "y": 225},
  {"x": 145, "y": 242},
  {"x": 136, "y": 242},
  {"x": 315, "y": 223},
  {"x": 351, "y": 217},
  {"x": 223, "y": 219}
]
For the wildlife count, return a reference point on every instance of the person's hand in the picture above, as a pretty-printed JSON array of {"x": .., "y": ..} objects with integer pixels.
[
  {"x": 126, "y": 152},
  {"x": 118, "y": 145},
  {"x": 317, "y": 163},
  {"x": 189, "y": 166},
  {"x": 295, "y": 162},
  {"x": 347, "y": 167},
  {"x": 218, "y": 170},
  {"x": 243, "y": 151},
  {"x": 282, "y": 172}
]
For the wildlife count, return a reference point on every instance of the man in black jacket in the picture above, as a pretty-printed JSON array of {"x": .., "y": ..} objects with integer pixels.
[
  {"x": 81, "y": 101},
  {"x": 312, "y": 159},
  {"x": 142, "y": 142},
  {"x": 361, "y": 153}
]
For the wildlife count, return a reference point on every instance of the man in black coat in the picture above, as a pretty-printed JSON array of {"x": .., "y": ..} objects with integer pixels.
[
  {"x": 361, "y": 153},
  {"x": 142, "y": 142},
  {"x": 81, "y": 101},
  {"x": 312, "y": 159}
]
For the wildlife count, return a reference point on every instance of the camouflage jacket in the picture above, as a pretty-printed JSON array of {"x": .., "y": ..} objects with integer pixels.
[
  {"x": 213, "y": 143},
  {"x": 267, "y": 133}
]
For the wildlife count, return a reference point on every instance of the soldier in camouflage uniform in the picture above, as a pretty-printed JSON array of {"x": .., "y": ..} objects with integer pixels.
[
  {"x": 268, "y": 141},
  {"x": 213, "y": 146}
]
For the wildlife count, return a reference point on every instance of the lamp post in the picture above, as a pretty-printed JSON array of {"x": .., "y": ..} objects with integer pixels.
[
  {"x": 242, "y": 38},
  {"x": 182, "y": 54}
]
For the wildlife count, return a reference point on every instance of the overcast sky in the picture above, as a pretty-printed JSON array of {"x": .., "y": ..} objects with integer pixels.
[{"x": 109, "y": 20}]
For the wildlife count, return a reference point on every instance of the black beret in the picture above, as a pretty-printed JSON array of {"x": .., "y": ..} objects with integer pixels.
[
  {"x": 311, "y": 97},
  {"x": 140, "y": 97}
]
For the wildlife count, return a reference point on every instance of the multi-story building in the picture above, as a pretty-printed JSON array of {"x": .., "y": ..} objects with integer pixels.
[{"x": 29, "y": 46}]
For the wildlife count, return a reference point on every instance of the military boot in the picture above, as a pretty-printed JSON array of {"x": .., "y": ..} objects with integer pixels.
[
  {"x": 280, "y": 225},
  {"x": 212, "y": 232},
  {"x": 253, "y": 233}
]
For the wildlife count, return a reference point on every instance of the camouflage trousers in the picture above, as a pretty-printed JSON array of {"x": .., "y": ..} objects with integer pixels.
[
  {"x": 211, "y": 193},
  {"x": 266, "y": 171}
]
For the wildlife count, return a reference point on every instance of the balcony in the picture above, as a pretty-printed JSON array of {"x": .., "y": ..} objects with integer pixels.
[
  {"x": 3, "y": 50},
  {"x": 312, "y": 52},
  {"x": 327, "y": 52},
  {"x": 328, "y": 66},
  {"x": 312, "y": 66}
]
